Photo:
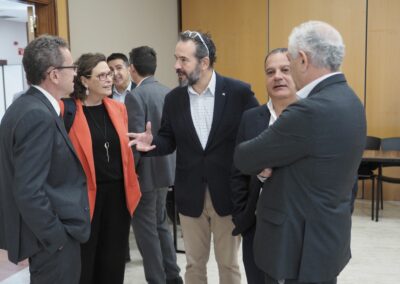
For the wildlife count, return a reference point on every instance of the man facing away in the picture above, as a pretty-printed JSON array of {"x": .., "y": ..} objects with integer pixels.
[
  {"x": 200, "y": 120},
  {"x": 123, "y": 85},
  {"x": 44, "y": 211},
  {"x": 315, "y": 148},
  {"x": 156, "y": 174},
  {"x": 246, "y": 188}
]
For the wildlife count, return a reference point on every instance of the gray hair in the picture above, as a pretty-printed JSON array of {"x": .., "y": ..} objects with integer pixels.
[
  {"x": 40, "y": 54},
  {"x": 320, "y": 41}
]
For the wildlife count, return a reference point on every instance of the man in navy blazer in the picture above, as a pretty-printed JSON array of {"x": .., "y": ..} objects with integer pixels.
[
  {"x": 246, "y": 188},
  {"x": 200, "y": 120},
  {"x": 315, "y": 148}
]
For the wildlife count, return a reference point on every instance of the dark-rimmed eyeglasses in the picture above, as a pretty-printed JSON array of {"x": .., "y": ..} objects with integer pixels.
[
  {"x": 193, "y": 34},
  {"x": 103, "y": 76},
  {"x": 73, "y": 67}
]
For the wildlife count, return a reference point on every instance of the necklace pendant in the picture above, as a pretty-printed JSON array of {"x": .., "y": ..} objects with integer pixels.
[{"x": 106, "y": 146}]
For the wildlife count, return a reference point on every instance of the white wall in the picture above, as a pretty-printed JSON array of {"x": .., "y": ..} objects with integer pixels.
[
  {"x": 11, "y": 32},
  {"x": 120, "y": 25}
]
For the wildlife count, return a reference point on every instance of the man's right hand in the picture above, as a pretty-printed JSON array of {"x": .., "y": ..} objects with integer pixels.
[{"x": 142, "y": 140}]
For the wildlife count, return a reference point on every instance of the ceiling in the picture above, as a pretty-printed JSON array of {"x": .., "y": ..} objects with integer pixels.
[{"x": 13, "y": 11}]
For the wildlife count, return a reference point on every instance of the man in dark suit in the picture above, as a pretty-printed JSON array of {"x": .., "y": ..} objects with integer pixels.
[
  {"x": 122, "y": 83},
  {"x": 200, "y": 120},
  {"x": 246, "y": 188},
  {"x": 315, "y": 147},
  {"x": 156, "y": 174},
  {"x": 44, "y": 211}
]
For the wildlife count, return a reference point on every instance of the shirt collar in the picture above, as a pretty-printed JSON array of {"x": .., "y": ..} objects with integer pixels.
[
  {"x": 128, "y": 88},
  {"x": 210, "y": 88},
  {"x": 52, "y": 100},
  {"x": 142, "y": 81},
  {"x": 306, "y": 90}
]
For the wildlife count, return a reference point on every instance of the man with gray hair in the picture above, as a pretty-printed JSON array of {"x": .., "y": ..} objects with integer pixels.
[
  {"x": 44, "y": 211},
  {"x": 315, "y": 148}
]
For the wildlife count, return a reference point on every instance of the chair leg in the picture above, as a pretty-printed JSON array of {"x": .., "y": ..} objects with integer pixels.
[
  {"x": 373, "y": 199},
  {"x": 381, "y": 197},
  {"x": 362, "y": 192}
]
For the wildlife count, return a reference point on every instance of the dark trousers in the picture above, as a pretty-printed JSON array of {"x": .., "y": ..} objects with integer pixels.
[
  {"x": 61, "y": 267},
  {"x": 154, "y": 239},
  {"x": 103, "y": 256},
  {"x": 269, "y": 280},
  {"x": 254, "y": 275}
]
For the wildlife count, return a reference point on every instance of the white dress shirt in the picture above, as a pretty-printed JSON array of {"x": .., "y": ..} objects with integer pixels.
[
  {"x": 120, "y": 97},
  {"x": 202, "y": 110}
]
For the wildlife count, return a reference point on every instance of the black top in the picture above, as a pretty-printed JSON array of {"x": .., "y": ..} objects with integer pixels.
[{"x": 102, "y": 130}]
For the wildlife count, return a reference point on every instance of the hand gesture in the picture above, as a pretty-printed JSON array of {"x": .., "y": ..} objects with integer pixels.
[{"x": 142, "y": 140}]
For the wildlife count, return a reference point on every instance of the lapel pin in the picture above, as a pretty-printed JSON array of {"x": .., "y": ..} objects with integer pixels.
[{"x": 223, "y": 94}]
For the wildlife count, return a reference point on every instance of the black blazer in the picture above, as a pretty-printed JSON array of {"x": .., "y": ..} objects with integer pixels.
[
  {"x": 196, "y": 167},
  {"x": 43, "y": 195},
  {"x": 246, "y": 188},
  {"x": 303, "y": 214}
]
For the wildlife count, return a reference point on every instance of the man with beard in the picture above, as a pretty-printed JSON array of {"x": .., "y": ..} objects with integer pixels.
[{"x": 200, "y": 120}]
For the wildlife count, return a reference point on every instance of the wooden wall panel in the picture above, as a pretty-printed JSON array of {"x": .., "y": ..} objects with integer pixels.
[
  {"x": 62, "y": 19},
  {"x": 348, "y": 17},
  {"x": 239, "y": 30},
  {"x": 383, "y": 88}
]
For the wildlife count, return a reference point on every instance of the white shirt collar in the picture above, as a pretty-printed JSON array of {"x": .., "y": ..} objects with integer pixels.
[
  {"x": 51, "y": 99},
  {"x": 210, "y": 87},
  {"x": 142, "y": 81},
  {"x": 306, "y": 90},
  {"x": 128, "y": 88}
]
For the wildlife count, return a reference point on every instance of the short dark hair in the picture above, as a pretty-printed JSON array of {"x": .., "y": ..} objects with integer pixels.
[
  {"x": 275, "y": 51},
  {"x": 40, "y": 54},
  {"x": 144, "y": 59},
  {"x": 202, "y": 49},
  {"x": 117, "y": 55},
  {"x": 86, "y": 63}
]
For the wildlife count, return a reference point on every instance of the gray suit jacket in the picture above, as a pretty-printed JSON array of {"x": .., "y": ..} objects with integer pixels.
[
  {"x": 145, "y": 103},
  {"x": 303, "y": 214},
  {"x": 43, "y": 195}
]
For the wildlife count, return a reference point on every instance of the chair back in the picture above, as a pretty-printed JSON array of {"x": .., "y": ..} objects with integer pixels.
[
  {"x": 373, "y": 143},
  {"x": 390, "y": 144}
]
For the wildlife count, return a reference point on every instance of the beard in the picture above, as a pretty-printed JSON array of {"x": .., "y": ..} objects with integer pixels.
[{"x": 188, "y": 79}]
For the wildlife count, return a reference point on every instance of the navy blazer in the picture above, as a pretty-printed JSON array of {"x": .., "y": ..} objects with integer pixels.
[
  {"x": 246, "y": 188},
  {"x": 303, "y": 213},
  {"x": 198, "y": 168}
]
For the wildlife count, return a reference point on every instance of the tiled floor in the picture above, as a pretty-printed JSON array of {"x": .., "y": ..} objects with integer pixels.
[{"x": 375, "y": 248}]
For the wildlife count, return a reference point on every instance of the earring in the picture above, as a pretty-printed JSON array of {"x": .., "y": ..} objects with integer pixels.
[{"x": 87, "y": 91}]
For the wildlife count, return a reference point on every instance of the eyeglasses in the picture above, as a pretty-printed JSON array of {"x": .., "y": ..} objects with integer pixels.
[
  {"x": 103, "y": 76},
  {"x": 73, "y": 67},
  {"x": 193, "y": 35}
]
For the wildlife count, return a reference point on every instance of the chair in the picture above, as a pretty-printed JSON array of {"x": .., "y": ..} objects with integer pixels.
[
  {"x": 366, "y": 169},
  {"x": 388, "y": 144}
]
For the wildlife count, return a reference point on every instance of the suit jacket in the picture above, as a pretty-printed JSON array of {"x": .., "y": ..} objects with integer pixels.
[
  {"x": 42, "y": 185},
  {"x": 198, "y": 168},
  {"x": 246, "y": 188},
  {"x": 82, "y": 141},
  {"x": 145, "y": 103},
  {"x": 303, "y": 214}
]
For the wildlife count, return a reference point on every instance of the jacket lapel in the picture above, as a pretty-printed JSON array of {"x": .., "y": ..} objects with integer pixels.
[
  {"x": 187, "y": 116},
  {"x": 81, "y": 131},
  {"x": 219, "y": 106},
  {"x": 334, "y": 79},
  {"x": 60, "y": 125}
]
